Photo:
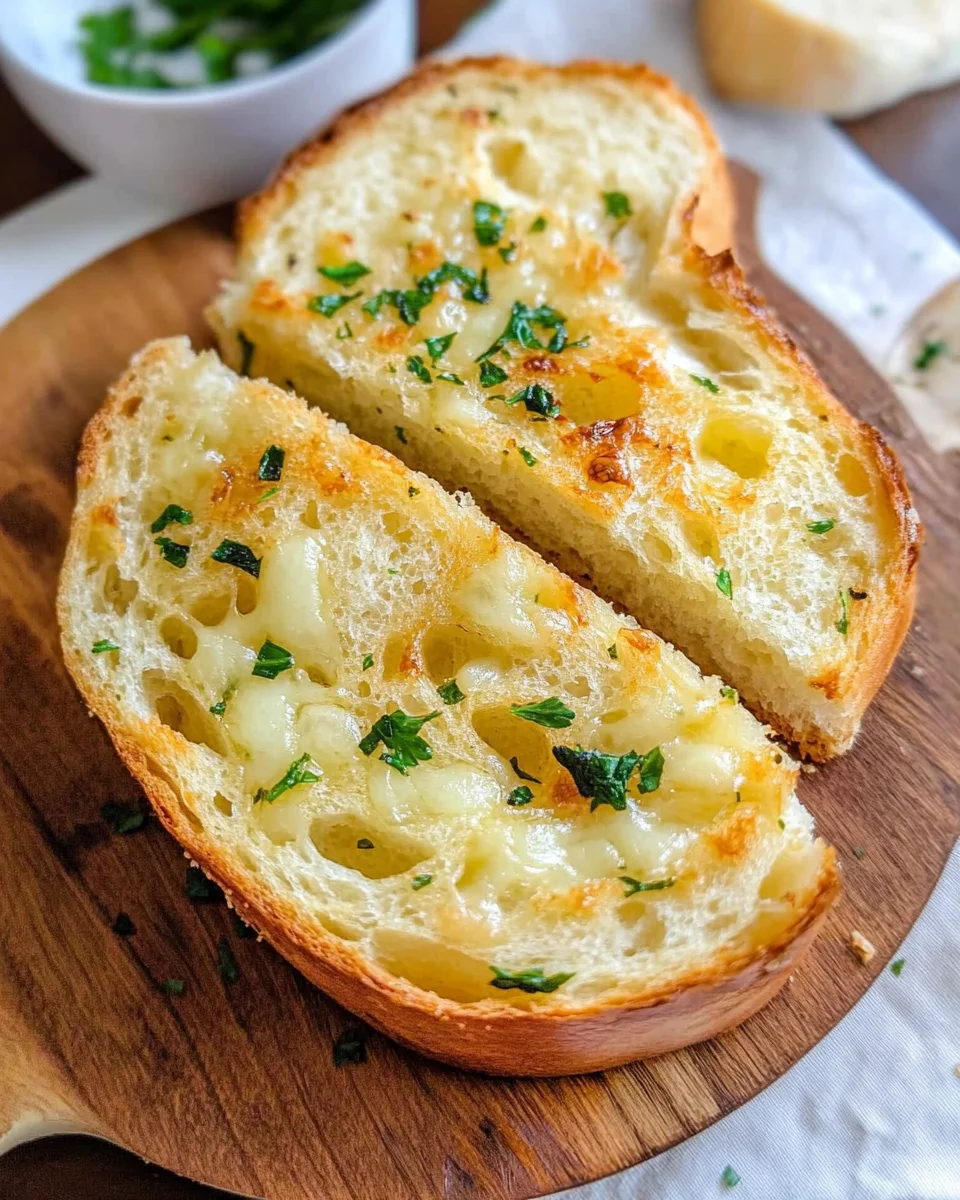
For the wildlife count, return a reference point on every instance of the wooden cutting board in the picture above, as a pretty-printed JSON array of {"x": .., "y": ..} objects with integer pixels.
[{"x": 235, "y": 1085}]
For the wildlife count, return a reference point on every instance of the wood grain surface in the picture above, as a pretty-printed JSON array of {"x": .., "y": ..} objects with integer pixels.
[{"x": 235, "y": 1084}]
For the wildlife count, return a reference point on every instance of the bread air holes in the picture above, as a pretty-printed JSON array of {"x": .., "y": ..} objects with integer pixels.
[
  {"x": 739, "y": 443},
  {"x": 853, "y": 476},
  {"x": 446, "y": 649},
  {"x": 179, "y": 711},
  {"x": 515, "y": 165},
  {"x": 366, "y": 848},
  {"x": 586, "y": 400},
  {"x": 118, "y": 592},
  {"x": 397, "y": 527},
  {"x": 701, "y": 537},
  {"x": 511, "y": 737},
  {"x": 247, "y": 594},
  {"x": 426, "y": 964},
  {"x": 211, "y": 608},
  {"x": 311, "y": 516},
  {"x": 179, "y": 637}
]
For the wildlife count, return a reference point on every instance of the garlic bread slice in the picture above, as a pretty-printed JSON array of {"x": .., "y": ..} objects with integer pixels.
[
  {"x": 496, "y": 272},
  {"x": 467, "y": 799}
]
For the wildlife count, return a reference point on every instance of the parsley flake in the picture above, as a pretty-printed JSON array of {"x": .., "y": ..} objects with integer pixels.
[
  {"x": 271, "y": 660},
  {"x": 617, "y": 205},
  {"x": 367, "y": 662},
  {"x": 527, "y": 456},
  {"x": 520, "y": 774},
  {"x": 489, "y": 222},
  {"x": 270, "y": 492},
  {"x": 612, "y": 651},
  {"x": 520, "y": 796},
  {"x": 104, "y": 646},
  {"x": 520, "y": 328},
  {"x": 350, "y": 1047},
  {"x": 413, "y": 491},
  {"x": 173, "y": 987},
  {"x": 175, "y": 553},
  {"x": 411, "y": 302},
  {"x": 400, "y": 734},
  {"x": 508, "y": 253},
  {"x": 552, "y": 713},
  {"x": 632, "y": 886},
  {"x": 236, "y": 554},
  {"x": 705, "y": 383},
  {"x": 438, "y": 346},
  {"x": 242, "y": 929},
  {"x": 929, "y": 353},
  {"x": 348, "y": 274},
  {"x": 821, "y": 526},
  {"x": 449, "y": 377},
  {"x": 123, "y": 925},
  {"x": 401, "y": 434},
  {"x": 344, "y": 331},
  {"x": 491, "y": 374},
  {"x": 729, "y": 1178},
  {"x": 326, "y": 306},
  {"x": 247, "y": 349},
  {"x": 844, "y": 622},
  {"x": 536, "y": 399},
  {"x": 450, "y": 693},
  {"x": 226, "y": 963},
  {"x": 416, "y": 366},
  {"x": 859, "y": 852},
  {"x": 896, "y": 967},
  {"x": 725, "y": 583},
  {"x": 530, "y": 981},
  {"x": 539, "y": 224},
  {"x": 220, "y": 707},
  {"x": 172, "y": 514},
  {"x": 421, "y": 881},
  {"x": 201, "y": 889},
  {"x": 271, "y": 464},
  {"x": 296, "y": 774},
  {"x": 124, "y": 818},
  {"x": 364, "y": 844},
  {"x": 602, "y": 778},
  {"x": 729, "y": 693}
]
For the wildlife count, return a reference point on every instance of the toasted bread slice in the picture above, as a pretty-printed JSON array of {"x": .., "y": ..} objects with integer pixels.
[
  {"x": 590, "y": 375},
  {"x": 845, "y": 59},
  {"x": 501, "y": 889}
]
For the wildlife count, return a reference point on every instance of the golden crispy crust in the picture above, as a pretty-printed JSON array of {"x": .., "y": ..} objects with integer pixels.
[{"x": 488, "y": 1036}]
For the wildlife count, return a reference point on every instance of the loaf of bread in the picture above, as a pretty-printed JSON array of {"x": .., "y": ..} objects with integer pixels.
[
  {"x": 497, "y": 272},
  {"x": 845, "y": 58},
  {"x": 460, "y": 793}
]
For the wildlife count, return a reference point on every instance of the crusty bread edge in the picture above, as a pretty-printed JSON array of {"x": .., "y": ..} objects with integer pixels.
[{"x": 489, "y": 1036}]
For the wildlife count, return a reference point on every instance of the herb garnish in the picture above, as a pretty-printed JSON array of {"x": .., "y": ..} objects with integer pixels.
[
  {"x": 491, "y": 374},
  {"x": 367, "y": 662},
  {"x": 416, "y": 366},
  {"x": 173, "y": 987},
  {"x": 413, "y": 491},
  {"x": 536, "y": 399},
  {"x": 527, "y": 457},
  {"x": 271, "y": 660},
  {"x": 220, "y": 707},
  {"x": 896, "y": 967},
  {"x": 175, "y": 553},
  {"x": 242, "y": 929},
  {"x": 226, "y": 963},
  {"x": 271, "y": 464},
  {"x": 632, "y": 886},
  {"x": 421, "y": 881},
  {"x": 552, "y": 713},
  {"x": 729, "y": 1178},
  {"x": 344, "y": 331},
  {"x": 270, "y": 492},
  {"x": 123, "y": 925},
  {"x": 520, "y": 328},
  {"x": 520, "y": 796},
  {"x": 236, "y": 554},
  {"x": 438, "y": 346},
  {"x": 400, "y": 734},
  {"x": 411, "y": 302},
  {"x": 247, "y": 349},
  {"x": 539, "y": 224},
  {"x": 364, "y": 844},
  {"x": 514, "y": 762},
  {"x": 449, "y": 377},
  {"x": 450, "y": 693},
  {"x": 109, "y": 45},
  {"x": 201, "y": 889},
  {"x": 729, "y": 693},
  {"x": 725, "y": 583},
  {"x": 821, "y": 526},
  {"x": 401, "y": 434},
  {"x": 297, "y": 774},
  {"x": 618, "y": 205},
  {"x": 173, "y": 513},
  {"x": 531, "y": 980},
  {"x": 602, "y": 778},
  {"x": 508, "y": 253},
  {"x": 489, "y": 222},
  {"x": 103, "y": 646},
  {"x": 326, "y": 306},
  {"x": 124, "y": 818},
  {"x": 859, "y": 852},
  {"x": 844, "y": 623},
  {"x": 612, "y": 650},
  {"x": 349, "y": 1047},
  {"x": 348, "y": 274},
  {"x": 705, "y": 383},
  {"x": 929, "y": 353}
]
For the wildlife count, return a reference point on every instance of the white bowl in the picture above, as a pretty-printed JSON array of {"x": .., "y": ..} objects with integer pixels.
[{"x": 202, "y": 145}]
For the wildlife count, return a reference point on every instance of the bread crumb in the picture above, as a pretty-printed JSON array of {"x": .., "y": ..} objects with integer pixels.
[
  {"x": 956, "y": 1070},
  {"x": 863, "y": 949}
]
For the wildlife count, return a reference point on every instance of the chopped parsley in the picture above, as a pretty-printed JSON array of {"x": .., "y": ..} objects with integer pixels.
[
  {"x": 725, "y": 583},
  {"x": 449, "y": 693},
  {"x": 896, "y": 967},
  {"x": 821, "y": 526},
  {"x": 520, "y": 796},
  {"x": 520, "y": 328},
  {"x": 123, "y": 925},
  {"x": 438, "y": 346},
  {"x": 271, "y": 660},
  {"x": 729, "y": 1178},
  {"x": 326, "y": 306},
  {"x": 491, "y": 374},
  {"x": 173, "y": 987},
  {"x": 859, "y": 852},
  {"x": 226, "y": 963},
  {"x": 364, "y": 844},
  {"x": 401, "y": 434},
  {"x": 531, "y": 980},
  {"x": 104, "y": 646},
  {"x": 296, "y": 774},
  {"x": 400, "y": 734},
  {"x": 236, "y": 554},
  {"x": 123, "y": 818},
  {"x": 536, "y": 399},
  {"x": 242, "y": 929},
  {"x": 632, "y": 886},
  {"x": 416, "y": 366},
  {"x": 271, "y": 491},
  {"x": 413, "y": 491},
  {"x": 508, "y": 253},
  {"x": 350, "y": 1047},
  {"x": 271, "y": 464},
  {"x": 539, "y": 224},
  {"x": 175, "y": 553},
  {"x": 201, "y": 889},
  {"x": 844, "y": 623},
  {"x": 520, "y": 774},
  {"x": 729, "y": 693},
  {"x": 220, "y": 707},
  {"x": 782, "y": 823},
  {"x": 421, "y": 881},
  {"x": 527, "y": 457},
  {"x": 929, "y": 353},
  {"x": 247, "y": 349},
  {"x": 489, "y": 222},
  {"x": 552, "y": 713},
  {"x": 602, "y": 778},
  {"x": 449, "y": 377},
  {"x": 617, "y": 205},
  {"x": 705, "y": 383},
  {"x": 367, "y": 662},
  {"x": 411, "y": 302},
  {"x": 348, "y": 274},
  {"x": 612, "y": 650},
  {"x": 172, "y": 514},
  {"x": 344, "y": 331}
]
